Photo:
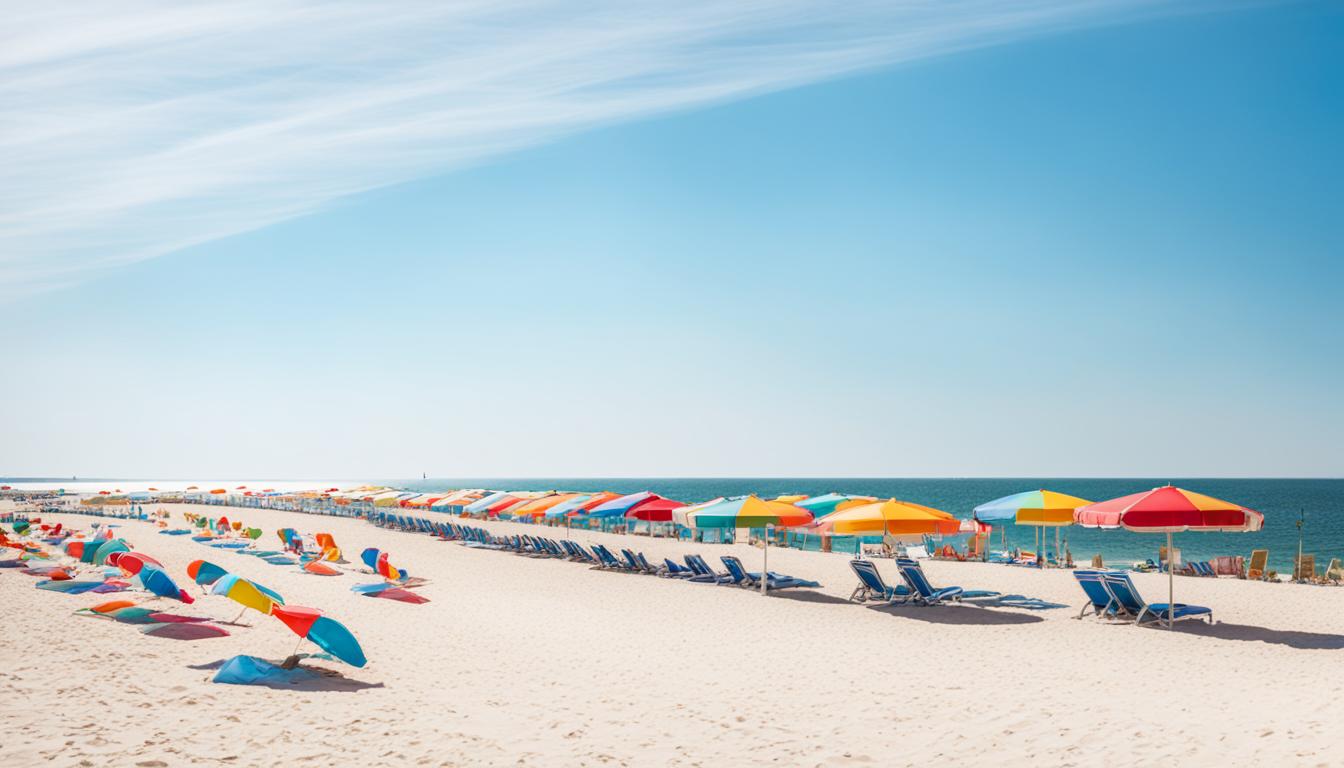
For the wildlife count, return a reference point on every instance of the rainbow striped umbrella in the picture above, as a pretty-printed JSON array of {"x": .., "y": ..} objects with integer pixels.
[
  {"x": 1170, "y": 510},
  {"x": 1043, "y": 508}
]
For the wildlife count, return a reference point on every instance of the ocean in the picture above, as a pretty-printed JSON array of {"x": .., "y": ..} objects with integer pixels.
[{"x": 1281, "y": 501}]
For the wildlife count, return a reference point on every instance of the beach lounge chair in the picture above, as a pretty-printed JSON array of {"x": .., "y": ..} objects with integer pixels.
[
  {"x": 676, "y": 570},
  {"x": 1099, "y": 599},
  {"x": 1305, "y": 568},
  {"x": 704, "y": 574},
  {"x": 1127, "y": 598},
  {"x": 773, "y": 580},
  {"x": 1259, "y": 561},
  {"x": 1333, "y": 572},
  {"x": 922, "y": 592},
  {"x": 871, "y": 584}
]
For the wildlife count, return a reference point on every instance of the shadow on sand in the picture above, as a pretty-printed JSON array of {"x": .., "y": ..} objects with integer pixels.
[
  {"x": 319, "y": 680},
  {"x": 1309, "y": 641},
  {"x": 805, "y": 596},
  {"x": 956, "y": 614}
]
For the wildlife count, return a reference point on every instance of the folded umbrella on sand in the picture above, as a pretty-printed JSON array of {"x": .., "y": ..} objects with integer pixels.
[{"x": 326, "y": 633}]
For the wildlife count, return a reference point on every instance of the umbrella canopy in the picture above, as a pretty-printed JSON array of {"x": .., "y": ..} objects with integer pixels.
[
  {"x": 158, "y": 581},
  {"x": 619, "y": 506},
  {"x": 248, "y": 594},
  {"x": 568, "y": 505},
  {"x": 482, "y": 504},
  {"x": 745, "y": 512},
  {"x": 654, "y": 510},
  {"x": 1169, "y": 510},
  {"x": 893, "y": 517},
  {"x": 1043, "y": 508},
  {"x": 107, "y": 548},
  {"x": 326, "y": 633},
  {"x": 538, "y": 507},
  {"x": 823, "y": 505},
  {"x": 204, "y": 572}
]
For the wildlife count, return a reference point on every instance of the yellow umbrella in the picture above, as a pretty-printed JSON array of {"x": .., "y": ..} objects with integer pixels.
[{"x": 893, "y": 516}]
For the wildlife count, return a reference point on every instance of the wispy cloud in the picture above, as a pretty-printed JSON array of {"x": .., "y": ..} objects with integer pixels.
[{"x": 132, "y": 129}]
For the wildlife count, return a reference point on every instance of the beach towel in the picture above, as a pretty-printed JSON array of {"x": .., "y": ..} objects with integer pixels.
[{"x": 250, "y": 670}]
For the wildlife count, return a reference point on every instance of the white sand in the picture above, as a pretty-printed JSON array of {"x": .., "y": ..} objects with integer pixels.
[{"x": 525, "y": 661}]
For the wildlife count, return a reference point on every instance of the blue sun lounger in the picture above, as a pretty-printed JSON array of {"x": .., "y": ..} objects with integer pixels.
[
  {"x": 1099, "y": 599},
  {"x": 924, "y": 593},
  {"x": 1127, "y": 597},
  {"x": 677, "y": 570},
  {"x": 872, "y": 585},
  {"x": 739, "y": 576},
  {"x": 704, "y": 574}
]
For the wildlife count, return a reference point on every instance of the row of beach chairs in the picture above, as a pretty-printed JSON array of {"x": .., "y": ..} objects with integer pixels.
[{"x": 695, "y": 570}]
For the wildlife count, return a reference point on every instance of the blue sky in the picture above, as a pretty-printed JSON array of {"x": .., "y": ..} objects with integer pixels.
[{"x": 1112, "y": 249}]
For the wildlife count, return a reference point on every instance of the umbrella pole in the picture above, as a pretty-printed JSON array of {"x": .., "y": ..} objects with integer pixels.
[
  {"x": 1171, "y": 583},
  {"x": 765, "y": 562}
]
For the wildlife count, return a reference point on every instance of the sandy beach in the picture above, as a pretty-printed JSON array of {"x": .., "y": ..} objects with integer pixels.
[{"x": 524, "y": 661}]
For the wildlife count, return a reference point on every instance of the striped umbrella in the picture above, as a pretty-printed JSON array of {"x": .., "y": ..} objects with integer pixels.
[
  {"x": 1041, "y": 509},
  {"x": 1170, "y": 510},
  {"x": 890, "y": 517},
  {"x": 745, "y": 512}
]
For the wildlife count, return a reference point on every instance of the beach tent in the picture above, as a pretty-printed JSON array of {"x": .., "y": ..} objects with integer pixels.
[{"x": 1170, "y": 510}]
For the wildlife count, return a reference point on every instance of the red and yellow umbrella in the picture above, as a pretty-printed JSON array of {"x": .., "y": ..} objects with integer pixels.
[{"x": 1169, "y": 510}]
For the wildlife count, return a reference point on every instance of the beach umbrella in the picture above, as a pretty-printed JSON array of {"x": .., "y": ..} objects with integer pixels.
[
  {"x": 823, "y": 505},
  {"x": 790, "y": 498},
  {"x": 565, "y": 507},
  {"x": 158, "y": 581},
  {"x": 1040, "y": 508},
  {"x": 248, "y": 594},
  {"x": 326, "y": 633},
  {"x": 539, "y": 507},
  {"x": 485, "y": 502},
  {"x": 107, "y": 548},
  {"x": 1169, "y": 510},
  {"x": 745, "y": 512},
  {"x": 617, "y": 507},
  {"x": 655, "y": 510},
  {"x": 131, "y": 563},
  {"x": 204, "y": 572},
  {"x": 891, "y": 517}
]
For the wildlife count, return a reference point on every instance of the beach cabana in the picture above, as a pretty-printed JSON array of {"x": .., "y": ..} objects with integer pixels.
[
  {"x": 1040, "y": 509},
  {"x": 1170, "y": 510}
]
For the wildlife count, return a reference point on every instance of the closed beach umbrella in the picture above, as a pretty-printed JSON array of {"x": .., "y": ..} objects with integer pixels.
[
  {"x": 1169, "y": 510},
  {"x": 1041, "y": 508},
  {"x": 745, "y": 512}
]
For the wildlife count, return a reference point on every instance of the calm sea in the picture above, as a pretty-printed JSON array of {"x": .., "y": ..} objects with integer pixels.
[{"x": 1281, "y": 501}]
